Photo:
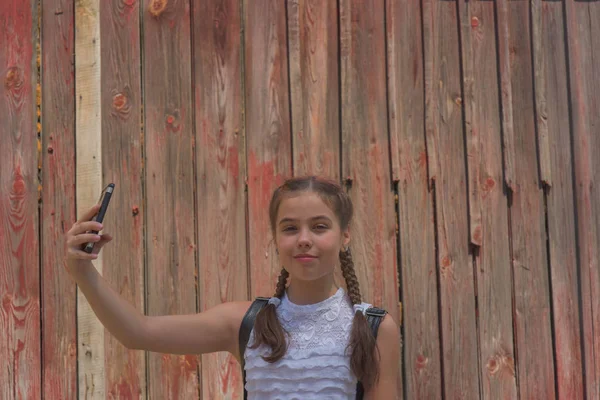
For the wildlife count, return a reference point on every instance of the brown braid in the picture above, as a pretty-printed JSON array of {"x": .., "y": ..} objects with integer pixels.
[
  {"x": 347, "y": 266},
  {"x": 281, "y": 281},
  {"x": 362, "y": 345},
  {"x": 268, "y": 329}
]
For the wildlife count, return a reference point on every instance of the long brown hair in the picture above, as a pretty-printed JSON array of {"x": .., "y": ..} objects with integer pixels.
[{"x": 364, "y": 355}]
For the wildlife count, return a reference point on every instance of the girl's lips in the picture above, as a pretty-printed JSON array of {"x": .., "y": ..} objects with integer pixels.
[{"x": 305, "y": 259}]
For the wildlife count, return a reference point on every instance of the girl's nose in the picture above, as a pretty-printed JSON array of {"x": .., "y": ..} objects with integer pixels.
[{"x": 304, "y": 239}]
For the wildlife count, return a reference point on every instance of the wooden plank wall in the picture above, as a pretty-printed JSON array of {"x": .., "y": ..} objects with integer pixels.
[{"x": 466, "y": 133}]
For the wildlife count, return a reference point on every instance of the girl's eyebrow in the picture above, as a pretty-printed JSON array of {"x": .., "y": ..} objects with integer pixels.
[{"x": 284, "y": 220}]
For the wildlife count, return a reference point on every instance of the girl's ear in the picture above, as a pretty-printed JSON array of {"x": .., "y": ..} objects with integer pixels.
[{"x": 346, "y": 237}]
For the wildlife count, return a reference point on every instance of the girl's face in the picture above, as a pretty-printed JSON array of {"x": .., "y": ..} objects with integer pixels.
[{"x": 309, "y": 237}]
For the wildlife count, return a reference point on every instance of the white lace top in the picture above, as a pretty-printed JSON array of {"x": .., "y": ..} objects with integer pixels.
[{"x": 316, "y": 365}]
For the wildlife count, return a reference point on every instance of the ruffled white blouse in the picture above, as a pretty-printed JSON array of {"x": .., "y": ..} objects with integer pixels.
[{"x": 316, "y": 365}]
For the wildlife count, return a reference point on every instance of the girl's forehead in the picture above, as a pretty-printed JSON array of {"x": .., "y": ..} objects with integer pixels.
[{"x": 304, "y": 205}]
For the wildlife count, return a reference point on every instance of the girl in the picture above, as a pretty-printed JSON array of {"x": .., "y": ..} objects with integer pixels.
[{"x": 311, "y": 341}]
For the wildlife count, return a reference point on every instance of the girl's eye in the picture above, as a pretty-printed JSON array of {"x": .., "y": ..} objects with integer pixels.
[
  {"x": 289, "y": 228},
  {"x": 320, "y": 226}
]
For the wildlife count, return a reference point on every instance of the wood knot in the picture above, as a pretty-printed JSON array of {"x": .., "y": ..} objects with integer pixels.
[
  {"x": 172, "y": 123},
  {"x": 422, "y": 361},
  {"x": 120, "y": 102},
  {"x": 474, "y": 22},
  {"x": 446, "y": 262},
  {"x": 135, "y": 210},
  {"x": 157, "y": 7},
  {"x": 458, "y": 100},
  {"x": 488, "y": 184},
  {"x": 13, "y": 79},
  {"x": 50, "y": 149},
  {"x": 129, "y": 3}
]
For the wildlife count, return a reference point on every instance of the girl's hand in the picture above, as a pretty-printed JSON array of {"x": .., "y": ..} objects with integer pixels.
[{"x": 80, "y": 234}]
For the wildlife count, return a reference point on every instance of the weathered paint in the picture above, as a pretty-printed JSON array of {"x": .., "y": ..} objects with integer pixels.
[
  {"x": 59, "y": 329},
  {"x": 169, "y": 185},
  {"x": 122, "y": 165},
  {"x": 267, "y": 113},
  {"x": 220, "y": 172}
]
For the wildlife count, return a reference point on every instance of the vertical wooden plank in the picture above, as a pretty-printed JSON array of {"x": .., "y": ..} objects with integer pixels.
[
  {"x": 532, "y": 310},
  {"x": 19, "y": 249},
  {"x": 415, "y": 202},
  {"x": 365, "y": 150},
  {"x": 169, "y": 186},
  {"x": 268, "y": 130},
  {"x": 59, "y": 331},
  {"x": 504, "y": 59},
  {"x": 445, "y": 138},
  {"x": 583, "y": 32},
  {"x": 539, "y": 76},
  {"x": 488, "y": 213},
  {"x": 121, "y": 101},
  {"x": 314, "y": 90},
  {"x": 550, "y": 64},
  {"x": 314, "y": 86},
  {"x": 221, "y": 168},
  {"x": 88, "y": 183}
]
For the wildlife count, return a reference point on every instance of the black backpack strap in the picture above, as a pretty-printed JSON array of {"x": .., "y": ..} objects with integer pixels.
[
  {"x": 374, "y": 317},
  {"x": 245, "y": 329}
]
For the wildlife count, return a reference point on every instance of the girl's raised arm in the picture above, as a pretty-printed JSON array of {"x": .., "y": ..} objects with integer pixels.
[{"x": 214, "y": 330}]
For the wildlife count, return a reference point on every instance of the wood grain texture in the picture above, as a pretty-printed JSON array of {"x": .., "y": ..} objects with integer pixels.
[
  {"x": 59, "y": 319},
  {"x": 553, "y": 115},
  {"x": 221, "y": 169},
  {"x": 416, "y": 226},
  {"x": 444, "y": 128},
  {"x": 314, "y": 86},
  {"x": 532, "y": 312},
  {"x": 539, "y": 77},
  {"x": 314, "y": 90},
  {"x": 504, "y": 58},
  {"x": 122, "y": 165},
  {"x": 88, "y": 184},
  {"x": 488, "y": 214},
  {"x": 365, "y": 151},
  {"x": 583, "y": 32},
  {"x": 267, "y": 114},
  {"x": 20, "y": 352},
  {"x": 169, "y": 184}
]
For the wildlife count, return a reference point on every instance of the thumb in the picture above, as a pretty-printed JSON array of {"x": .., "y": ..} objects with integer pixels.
[{"x": 104, "y": 238}]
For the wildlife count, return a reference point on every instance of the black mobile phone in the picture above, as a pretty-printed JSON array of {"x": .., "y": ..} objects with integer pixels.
[{"x": 104, "y": 201}]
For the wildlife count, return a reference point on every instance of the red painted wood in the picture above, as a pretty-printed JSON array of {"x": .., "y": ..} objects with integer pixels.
[
  {"x": 445, "y": 144},
  {"x": 267, "y": 129},
  {"x": 20, "y": 368},
  {"x": 169, "y": 185},
  {"x": 365, "y": 151},
  {"x": 314, "y": 90},
  {"x": 221, "y": 168},
  {"x": 123, "y": 258},
  {"x": 59, "y": 325},
  {"x": 314, "y": 87},
  {"x": 583, "y": 32},
  {"x": 504, "y": 57},
  {"x": 488, "y": 213},
  {"x": 532, "y": 312},
  {"x": 553, "y": 115},
  {"x": 415, "y": 202}
]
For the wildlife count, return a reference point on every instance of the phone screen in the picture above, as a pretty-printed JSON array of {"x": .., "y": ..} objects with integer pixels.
[{"x": 104, "y": 201}]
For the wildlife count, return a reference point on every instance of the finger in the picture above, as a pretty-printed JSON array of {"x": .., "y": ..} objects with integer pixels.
[
  {"x": 82, "y": 239},
  {"x": 89, "y": 214},
  {"x": 106, "y": 237},
  {"x": 85, "y": 227},
  {"x": 82, "y": 255}
]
